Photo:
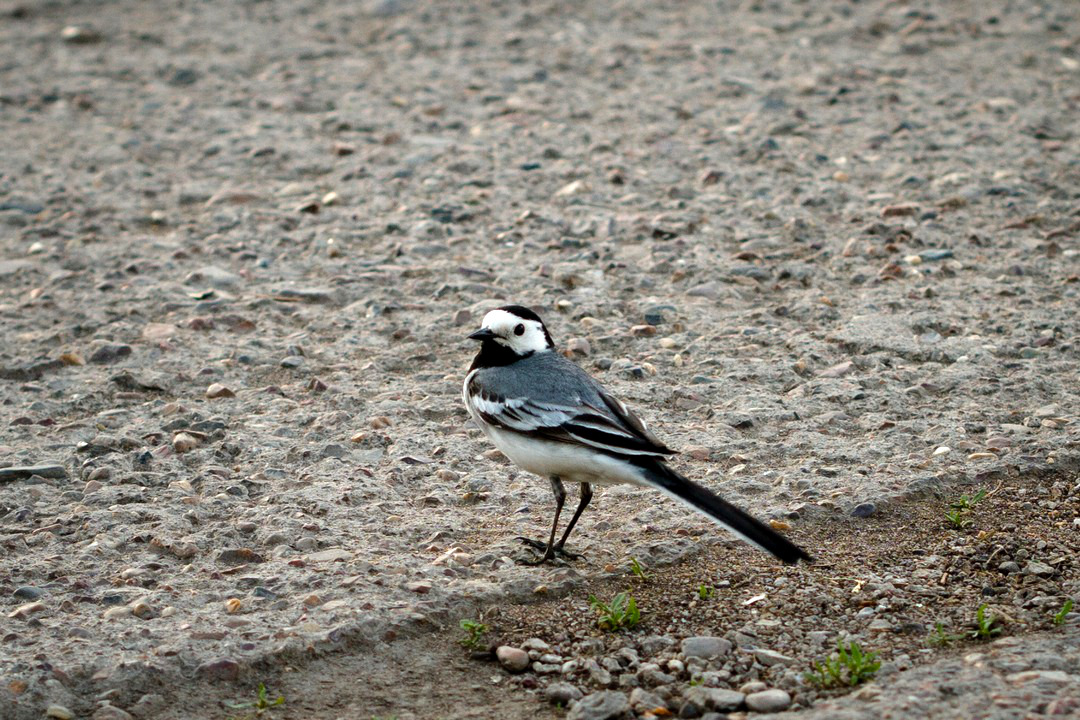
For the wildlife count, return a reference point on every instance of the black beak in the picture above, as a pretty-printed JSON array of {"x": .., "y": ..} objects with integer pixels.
[{"x": 483, "y": 334}]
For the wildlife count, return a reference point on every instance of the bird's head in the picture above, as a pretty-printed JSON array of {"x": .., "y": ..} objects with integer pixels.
[{"x": 516, "y": 328}]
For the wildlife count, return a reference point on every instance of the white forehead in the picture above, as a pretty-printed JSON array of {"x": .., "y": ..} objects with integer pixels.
[{"x": 501, "y": 320}]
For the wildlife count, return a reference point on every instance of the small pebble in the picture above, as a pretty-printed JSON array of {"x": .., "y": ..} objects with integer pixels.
[
  {"x": 754, "y": 686},
  {"x": 1034, "y": 567},
  {"x": 79, "y": 35},
  {"x": 183, "y": 442},
  {"x": 142, "y": 609},
  {"x": 579, "y": 347},
  {"x": 705, "y": 647},
  {"x": 28, "y": 592},
  {"x": 603, "y": 705},
  {"x": 774, "y": 700},
  {"x": 864, "y": 510},
  {"x": 111, "y": 712},
  {"x": 768, "y": 658},
  {"x": 899, "y": 210},
  {"x": 217, "y": 390},
  {"x": 513, "y": 659},
  {"x": 26, "y": 610},
  {"x": 110, "y": 353}
]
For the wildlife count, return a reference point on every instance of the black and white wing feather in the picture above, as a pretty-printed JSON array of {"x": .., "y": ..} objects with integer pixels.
[{"x": 613, "y": 428}]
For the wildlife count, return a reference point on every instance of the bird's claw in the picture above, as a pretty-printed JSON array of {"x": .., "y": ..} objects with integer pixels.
[{"x": 549, "y": 553}]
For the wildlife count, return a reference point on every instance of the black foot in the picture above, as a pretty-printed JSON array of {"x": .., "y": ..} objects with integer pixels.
[{"x": 548, "y": 553}]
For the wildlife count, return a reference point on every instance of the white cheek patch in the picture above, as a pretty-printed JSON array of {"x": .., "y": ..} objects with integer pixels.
[
  {"x": 503, "y": 324},
  {"x": 532, "y": 340}
]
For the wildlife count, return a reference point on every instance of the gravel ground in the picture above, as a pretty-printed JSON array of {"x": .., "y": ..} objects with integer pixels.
[
  {"x": 828, "y": 250},
  {"x": 906, "y": 583}
]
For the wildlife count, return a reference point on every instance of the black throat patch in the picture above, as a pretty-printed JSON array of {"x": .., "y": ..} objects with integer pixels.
[{"x": 493, "y": 354}]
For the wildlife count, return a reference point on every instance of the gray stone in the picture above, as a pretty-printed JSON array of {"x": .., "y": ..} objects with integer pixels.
[
  {"x": 644, "y": 701},
  {"x": 597, "y": 674},
  {"x": 223, "y": 669},
  {"x": 110, "y": 353},
  {"x": 148, "y": 706},
  {"x": 774, "y": 700},
  {"x": 45, "y": 470},
  {"x": 864, "y": 510},
  {"x": 10, "y": 267},
  {"x": 331, "y": 555},
  {"x": 334, "y": 450},
  {"x": 707, "y": 290},
  {"x": 1034, "y": 567},
  {"x": 562, "y": 693},
  {"x": 754, "y": 686},
  {"x": 323, "y": 296},
  {"x": 704, "y": 699},
  {"x": 535, "y": 644},
  {"x": 650, "y": 675},
  {"x": 513, "y": 659},
  {"x": 705, "y": 647},
  {"x": 212, "y": 276},
  {"x": 768, "y": 658},
  {"x": 28, "y": 592},
  {"x": 603, "y": 705},
  {"x": 654, "y": 643},
  {"x": 111, "y": 712}
]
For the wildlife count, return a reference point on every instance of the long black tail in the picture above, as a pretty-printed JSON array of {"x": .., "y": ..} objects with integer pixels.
[{"x": 745, "y": 526}]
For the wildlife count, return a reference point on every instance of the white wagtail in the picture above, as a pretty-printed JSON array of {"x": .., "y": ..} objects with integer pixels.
[{"x": 551, "y": 418}]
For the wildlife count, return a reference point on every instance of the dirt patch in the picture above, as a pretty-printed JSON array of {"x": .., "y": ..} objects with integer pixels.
[{"x": 884, "y": 581}]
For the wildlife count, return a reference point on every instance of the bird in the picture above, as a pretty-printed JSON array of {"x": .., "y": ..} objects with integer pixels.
[{"x": 551, "y": 418}]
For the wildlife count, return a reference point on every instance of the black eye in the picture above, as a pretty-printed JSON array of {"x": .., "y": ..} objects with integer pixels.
[{"x": 519, "y": 330}]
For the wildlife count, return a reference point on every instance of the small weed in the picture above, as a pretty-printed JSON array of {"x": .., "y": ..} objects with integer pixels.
[
  {"x": 967, "y": 502},
  {"x": 851, "y": 666},
  {"x": 1059, "y": 616},
  {"x": 940, "y": 638},
  {"x": 960, "y": 509},
  {"x": 958, "y": 518},
  {"x": 704, "y": 592},
  {"x": 621, "y": 613},
  {"x": 474, "y": 634},
  {"x": 697, "y": 681},
  {"x": 985, "y": 625},
  {"x": 261, "y": 704},
  {"x": 637, "y": 569}
]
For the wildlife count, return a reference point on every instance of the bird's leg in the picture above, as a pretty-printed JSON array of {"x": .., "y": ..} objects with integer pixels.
[
  {"x": 586, "y": 496},
  {"x": 549, "y": 548}
]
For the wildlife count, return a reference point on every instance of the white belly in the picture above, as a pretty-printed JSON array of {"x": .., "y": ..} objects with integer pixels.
[{"x": 569, "y": 462}]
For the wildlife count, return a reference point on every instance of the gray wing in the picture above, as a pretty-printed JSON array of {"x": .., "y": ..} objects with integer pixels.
[{"x": 604, "y": 422}]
